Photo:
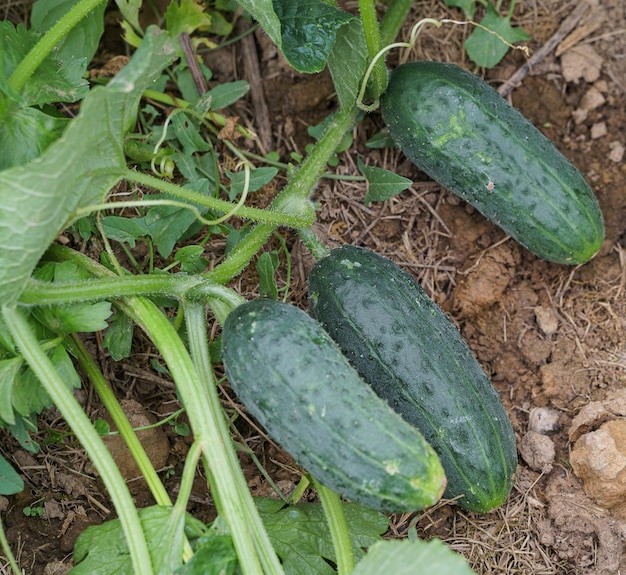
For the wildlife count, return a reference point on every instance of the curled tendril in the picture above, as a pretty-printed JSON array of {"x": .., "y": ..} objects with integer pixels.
[
  {"x": 415, "y": 30},
  {"x": 174, "y": 203}
]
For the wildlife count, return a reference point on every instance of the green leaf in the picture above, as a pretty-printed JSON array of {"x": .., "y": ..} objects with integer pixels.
[
  {"x": 168, "y": 224},
  {"x": 382, "y": 184},
  {"x": 102, "y": 549},
  {"x": 39, "y": 199},
  {"x": 187, "y": 133},
  {"x": 118, "y": 338},
  {"x": 9, "y": 371},
  {"x": 186, "y": 17},
  {"x": 10, "y": 482},
  {"x": 468, "y": 6},
  {"x": 75, "y": 318},
  {"x": 224, "y": 95},
  {"x": 348, "y": 61},
  {"x": 308, "y": 31},
  {"x": 81, "y": 43},
  {"x": 20, "y": 431},
  {"x": 130, "y": 11},
  {"x": 124, "y": 230},
  {"x": 30, "y": 397},
  {"x": 266, "y": 266},
  {"x": 214, "y": 556},
  {"x": 302, "y": 539},
  {"x": 487, "y": 49},
  {"x": 380, "y": 140},
  {"x": 26, "y": 133},
  {"x": 412, "y": 558},
  {"x": 259, "y": 177},
  {"x": 191, "y": 260},
  {"x": 54, "y": 80}
]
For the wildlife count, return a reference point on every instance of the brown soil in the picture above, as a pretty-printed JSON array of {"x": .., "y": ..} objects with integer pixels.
[{"x": 553, "y": 338}]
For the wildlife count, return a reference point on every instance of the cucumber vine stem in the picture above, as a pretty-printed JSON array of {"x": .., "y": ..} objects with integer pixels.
[
  {"x": 393, "y": 19},
  {"x": 371, "y": 30},
  {"x": 336, "y": 519},
  {"x": 38, "y": 53},
  {"x": 298, "y": 216},
  {"x": 125, "y": 429},
  {"x": 199, "y": 395},
  {"x": 195, "y": 319},
  {"x": 298, "y": 190},
  {"x": 73, "y": 413}
]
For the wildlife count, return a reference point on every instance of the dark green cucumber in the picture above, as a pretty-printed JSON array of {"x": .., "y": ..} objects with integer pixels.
[
  {"x": 294, "y": 379},
  {"x": 412, "y": 355},
  {"x": 460, "y": 132}
]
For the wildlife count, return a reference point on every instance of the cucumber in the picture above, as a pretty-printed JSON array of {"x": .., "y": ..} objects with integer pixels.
[
  {"x": 412, "y": 355},
  {"x": 461, "y": 133},
  {"x": 295, "y": 381}
]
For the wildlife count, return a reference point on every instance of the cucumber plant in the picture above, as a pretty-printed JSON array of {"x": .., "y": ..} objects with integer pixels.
[{"x": 50, "y": 292}]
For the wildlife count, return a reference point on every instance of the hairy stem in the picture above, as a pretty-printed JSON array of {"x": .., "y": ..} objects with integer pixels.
[
  {"x": 73, "y": 413},
  {"x": 378, "y": 84},
  {"x": 336, "y": 519},
  {"x": 299, "y": 189},
  {"x": 38, "y": 53},
  {"x": 393, "y": 19},
  {"x": 298, "y": 215},
  {"x": 198, "y": 343}
]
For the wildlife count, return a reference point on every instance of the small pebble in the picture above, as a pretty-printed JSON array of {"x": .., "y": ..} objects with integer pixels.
[
  {"x": 598, "y": 130},
  {"x": 543, "y": 420},
  {"x": 546, "y": 320}
]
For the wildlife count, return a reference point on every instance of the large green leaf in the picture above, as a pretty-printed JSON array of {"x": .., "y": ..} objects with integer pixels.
[
  {"x": 304, "y": 31},
  {"x": 10, "y": 481},
  {"x": 102, "y": 549},
  {"x": 81, "y": 43},
  {"x": 54, "y": 80},
  {"x": 348, "y": 61},
  {"x": 412, "y": 558},
  {"x": 308, "y": 31},
  {"x": 302, "y": 539},
  {"x": 39, "y": 199},
  {"x": 487, "y": 49}
]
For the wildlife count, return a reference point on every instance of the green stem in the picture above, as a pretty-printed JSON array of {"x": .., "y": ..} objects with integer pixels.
[
  {"x": 73, "y": 413},
  {"x": 336, "y": 519},
  {"x": 310, "y": 239},
  {"x": 60, "y": 293},
  {"x": 393, "y": 19},
  {"x": 299, "y": 215},
  {"x": 241, "y": 255},
  {"x": 194, "y": 393},
  {"x": 6, "y": 549},
  {"x": 369, "y": 19},
  {"x": 120, "y": 420},
  {"x": 38, "y": 53},
  {"x": 125, "y": 429},
  {"x": 198, "y": 343},
  {"x": 298, "y": 190},
  {"x": 199, "y": 396},
  {"x": 194, "y": 288}
]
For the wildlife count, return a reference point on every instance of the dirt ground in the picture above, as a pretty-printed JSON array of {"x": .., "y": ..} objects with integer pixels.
[{"x": 553, "y": 338}]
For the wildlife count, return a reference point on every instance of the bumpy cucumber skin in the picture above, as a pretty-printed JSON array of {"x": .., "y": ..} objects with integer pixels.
[
  {"x": 294, "y": 379},
  {"x": 412, "y": 355},
  {"x": 460, "y": 132}
]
